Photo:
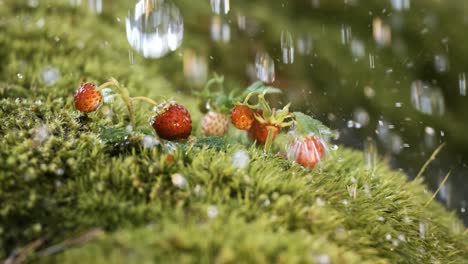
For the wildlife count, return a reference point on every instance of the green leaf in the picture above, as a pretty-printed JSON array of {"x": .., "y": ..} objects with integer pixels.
[
  {"x": 260, "y": 87},
  {"x": 306, "y": 124},
  {"x": 112, "y": 135}
]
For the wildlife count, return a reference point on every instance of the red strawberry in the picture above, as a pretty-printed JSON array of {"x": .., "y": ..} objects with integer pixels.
[
  {"x": 87, "y": 99},
  {"x": 214, "y": 124},
  {"x": 307, "y": 151},
  {"x": 259, "y": 131},
  {"x": 242, "y": 117},
  {"x": 173, "y": 122}
]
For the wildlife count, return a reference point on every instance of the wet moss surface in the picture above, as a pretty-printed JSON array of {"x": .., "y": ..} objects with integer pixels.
[{"x": 63, "y": 174}]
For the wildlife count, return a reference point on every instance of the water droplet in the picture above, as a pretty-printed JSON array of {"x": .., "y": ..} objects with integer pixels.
[
  {"x": 41, "y": 134},
  {"x": 240, "y": 159},
  {"x": 381, "y": 219},
  {"x": 33, "y": 3},
  {"x": 370, "y": 154},
  {"x": 304, "y": 44},
  {"x": 131, "y": 57},
  {"x": 19, "y": 75},
  {"x": 388, "y": 236},
  {"x": 149, "y": 141},
  {"x": 195, "y": 67},
  {"x": 323, "y": 259},
  {"x": 371, "y": 61},
  {"x": 382, "y": 33},
  {"x": 463, "y": 206},
  {"x": 334, "y": 147},
  {"x": 264, "y": 67},
  {"x": 220, "y": 6},
  {"x": 422, "y": 230},
  {"x": 346, "y": 34},
  {"x": 50, "y": 75},
  {"x": 220, "y": 30},
  {"x": 427, "y": 99},
  {"x": 95, "y": 6},
  {"x": 155, "y": 28},
  {"x": 441, "y": 63},
  {"x": 357, "y": 48},
  {"x": 462, "y": 83},
  {"x": 212, "y": 211},
  {"x": 179, "y": 180},
  {"x": 400, "y": 5},
  {"x": 361, "y": 116},
  {"x": 287, "y": 47},
  {"x": 320, "y": 202}
]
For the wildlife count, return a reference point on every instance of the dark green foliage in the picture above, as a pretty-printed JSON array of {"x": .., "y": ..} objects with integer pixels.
[{"x": 62, "y": 174}]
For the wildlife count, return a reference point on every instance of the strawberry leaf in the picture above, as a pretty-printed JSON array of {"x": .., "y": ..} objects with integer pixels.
[
  {"x": 260, "y": 87},
  {"x": 306, "y": 125}
]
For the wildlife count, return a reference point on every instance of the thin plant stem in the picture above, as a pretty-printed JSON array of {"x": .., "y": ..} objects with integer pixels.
[
  {"x": 439, "y": 188},
  {"x": 145, "y": 99},
  {"x": 269, "y": 140},
  {"x": 433, "y": 156}
]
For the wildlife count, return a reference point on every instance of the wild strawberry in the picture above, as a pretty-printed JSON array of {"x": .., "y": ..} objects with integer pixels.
[
  {"x": 259, "y": 131},
  {"x": 172, "y": 122},
  {"x": 307, "y": 151},
  {"x": 87, "y": 98},
  {"x": 242, "y": 117},
  {"x": 214, "y": 124}
]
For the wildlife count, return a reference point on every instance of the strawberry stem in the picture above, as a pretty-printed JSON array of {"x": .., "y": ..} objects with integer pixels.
[
  {"x": 124, "y": 94},
  {"x": 269, "y": 140},
  {"x": 145, "y": 99}
]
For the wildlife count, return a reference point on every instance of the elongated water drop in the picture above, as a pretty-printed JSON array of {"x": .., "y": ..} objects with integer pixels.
[
  {"x": 264, "y": 67},
  {"x": 220, "y": 6},
  {"x": 370, "y": 154},
  {"x": 462, "y": 83},
  {"x": 287, "y": 47}
]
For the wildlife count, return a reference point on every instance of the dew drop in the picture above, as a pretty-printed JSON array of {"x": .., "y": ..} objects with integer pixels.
[{"x": 240, "y": 159}]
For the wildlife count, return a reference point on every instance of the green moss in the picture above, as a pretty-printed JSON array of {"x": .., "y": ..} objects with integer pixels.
[{"x": 62, "y": 174}]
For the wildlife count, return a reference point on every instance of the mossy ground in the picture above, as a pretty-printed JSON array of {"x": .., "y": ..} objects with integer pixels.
[{"x": 59, "y": 178}]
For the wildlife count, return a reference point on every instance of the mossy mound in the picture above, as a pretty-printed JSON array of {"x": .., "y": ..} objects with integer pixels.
[{"x": 63, "y": 174}]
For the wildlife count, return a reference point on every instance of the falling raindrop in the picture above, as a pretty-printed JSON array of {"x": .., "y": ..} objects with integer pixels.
[
  {"x": 429, "y": 137},
  {"x": 131, "y": 57},
  {"x": 264, "y": 67},
  {"x": 346, "y": 34},
  {"x": 50, "y": 75},
  {"x": 19, "y": 75},
  {"x": 427, "y": 99},
  {"x": 370, "y": 154},
  {"x": 304, "y": 44},
  {"x": 357, "y": 48},
  {"x": 400, "y": 5},
  {"x": 195, "y": 67},
  {"x": 240, "y": 159},
  {"x": 220, "y": 30},
  {"x": 287, "y": 47},
  {"x": 441, "y": 63},
  {"x": 371, "y": 61},
  {"x": 462, "y": 83},
  {"x": 220, "y": 6},
  {"x": 422, "y": 230},
  {"x": 155, "y": 28},
  {"x": 381, "y": 32},
  {"x": 334, "y": 147},
  {"x": 95, "y": 6}
]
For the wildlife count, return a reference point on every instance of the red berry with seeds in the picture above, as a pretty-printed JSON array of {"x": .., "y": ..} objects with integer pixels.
[
  {"x": 214, "y": 124},
  {"x": 87, "y": 98},
  {"x": 308, "y": 151},
  {"x": 242, "y": 117},
  {"x": 172, "y": 122},
  {"x": 259, "y": 132}
]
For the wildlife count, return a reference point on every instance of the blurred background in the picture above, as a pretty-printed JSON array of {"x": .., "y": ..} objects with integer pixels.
[{"x": 389, "y": 75}]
